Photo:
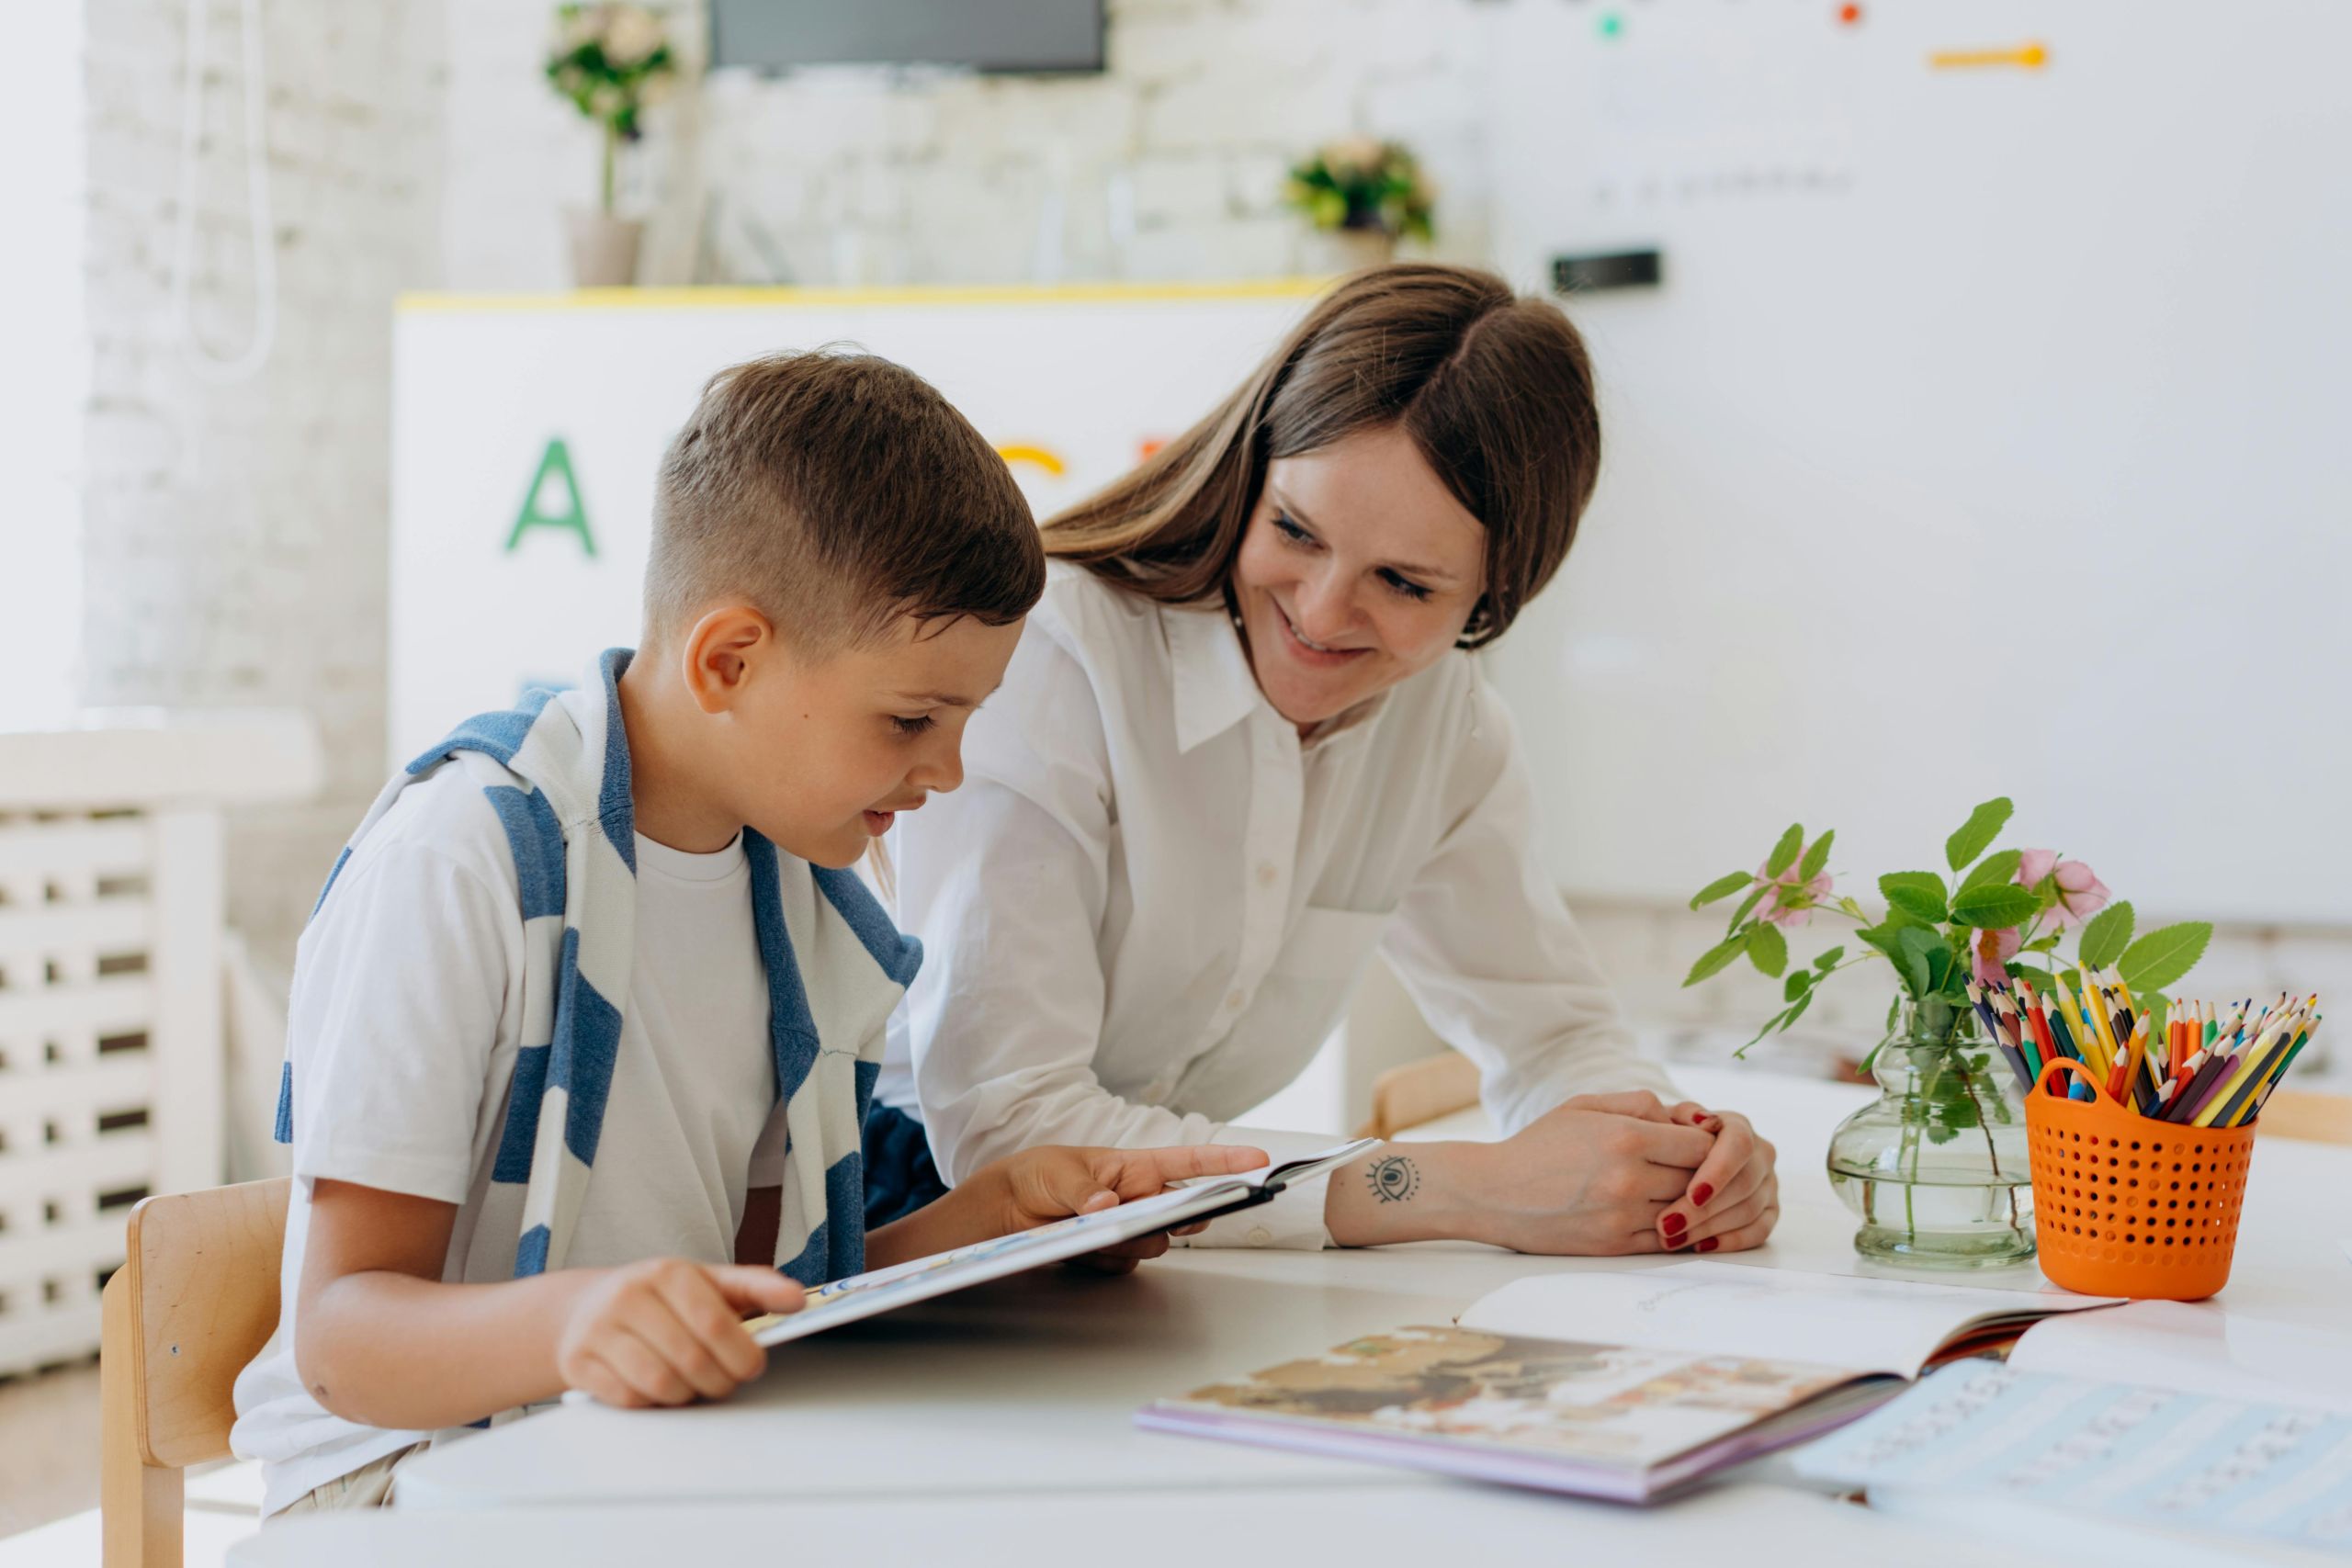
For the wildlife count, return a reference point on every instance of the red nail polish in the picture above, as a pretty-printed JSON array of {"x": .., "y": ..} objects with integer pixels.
[
  {"x": 1672, "y": 1224},
  {"x": 1699, "y": 1194},
  {"x": 1708, "y": 1245}
]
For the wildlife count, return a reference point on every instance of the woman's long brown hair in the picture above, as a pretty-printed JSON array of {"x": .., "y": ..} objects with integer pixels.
[{"x": 1495, "y": 390}]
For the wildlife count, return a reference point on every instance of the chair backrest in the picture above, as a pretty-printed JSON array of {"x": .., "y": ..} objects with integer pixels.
[
  {"x": 2316, "y": 1118},
  {"x": 202, "y": 1290},
  {"x": 1420, "y": 1092}
]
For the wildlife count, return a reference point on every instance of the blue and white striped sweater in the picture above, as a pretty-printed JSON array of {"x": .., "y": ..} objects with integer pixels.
[{"x": 556, "y": 770}]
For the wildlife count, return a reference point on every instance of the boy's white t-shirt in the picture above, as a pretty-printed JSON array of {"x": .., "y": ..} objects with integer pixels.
[{"x": 406, "y": 1014}]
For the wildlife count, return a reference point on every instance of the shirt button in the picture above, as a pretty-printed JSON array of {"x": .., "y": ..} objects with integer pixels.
[
  {"x": 1260, "y": 1235},
  {"x": 1267, "y": 874}
]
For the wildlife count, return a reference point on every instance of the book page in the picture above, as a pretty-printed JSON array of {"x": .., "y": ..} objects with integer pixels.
[
  {"x": 2149, "y": 1456},
  {"x": 2192, "y": 1349},
  {"x": 1869, "y": 1326}
]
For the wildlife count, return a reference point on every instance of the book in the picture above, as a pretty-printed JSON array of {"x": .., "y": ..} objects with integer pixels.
[
  {"x": 886, "y": 1289},
  {"x": 1630, "y": 1386},
  {"x": 2008, "y": 1446}
]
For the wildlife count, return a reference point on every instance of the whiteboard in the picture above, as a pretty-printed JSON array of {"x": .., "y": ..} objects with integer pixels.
[
  {"x": 1071, "y": 384},
  {"x": 1985, "y": 436}
]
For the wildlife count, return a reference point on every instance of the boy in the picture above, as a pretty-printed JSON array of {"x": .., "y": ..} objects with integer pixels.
[{"x": 584, "y": 1027}]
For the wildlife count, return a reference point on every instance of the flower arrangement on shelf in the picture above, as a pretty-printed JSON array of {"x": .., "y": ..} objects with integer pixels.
[
  {"x": 1926, "y": 1194},
  {"x": 610, "y": 60},
  {"x": 1999, "y": 911},
  {"x": 1363, "y": 185}
]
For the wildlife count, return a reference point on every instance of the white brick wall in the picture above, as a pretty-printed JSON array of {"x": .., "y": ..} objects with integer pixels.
[
  {"x": 234, "y": 537},
  {"x": 874, "y": 176}
]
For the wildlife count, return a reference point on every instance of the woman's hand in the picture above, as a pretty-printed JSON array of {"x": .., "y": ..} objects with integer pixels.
[
  {"x": 1047, "y": 1184},
  {"x": 1734, "y": 1198},
  {"x": 1595, "y": 1177},
  {"x": 1038, "y": 1186}
]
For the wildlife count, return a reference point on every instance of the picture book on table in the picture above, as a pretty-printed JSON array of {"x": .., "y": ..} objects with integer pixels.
[
  {"x": 922, "y": 1279},
  {"x": 1622, "y": 1385}
]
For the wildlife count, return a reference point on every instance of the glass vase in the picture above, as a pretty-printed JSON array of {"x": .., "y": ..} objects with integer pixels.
[{"x": 1935, "y": 1168}]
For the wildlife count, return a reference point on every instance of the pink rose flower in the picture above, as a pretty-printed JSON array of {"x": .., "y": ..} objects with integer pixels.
[
  {"x": 2080, "y": 893},
  {"x": 1790, "y": 904},
  {"x": 1990, "y": 952}
]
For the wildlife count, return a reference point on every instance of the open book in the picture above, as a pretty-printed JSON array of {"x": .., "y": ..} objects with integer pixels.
[
  {"x": 883, "y": 1290},
  {"x": 1620, "y": 1385}
]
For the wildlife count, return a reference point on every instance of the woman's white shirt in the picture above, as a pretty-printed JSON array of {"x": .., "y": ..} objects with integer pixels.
[{"x": 1146, "y": 906}]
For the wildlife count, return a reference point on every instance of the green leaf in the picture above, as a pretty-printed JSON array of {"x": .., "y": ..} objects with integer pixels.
[
  {"x": 1995, "y": 905},
  {"x": 1816, "y": 858},
  {"x": 1982, "y": 825},
  {"x": 2163, "y": 956},
  {"x": 1767, "y": 948},
  {"x": 1880, "y": 936},
  {"x": 1784, "y": 853},
  {"x": 1713, "y": 961},
  {"x": 1747, "y": 904},
  {"x": 2000, "y": 867},
  {"x": 1800, "y": 981},
  {"x": 1723, "y": 886},
  {"x": 1919, "y": 894},
  {"x": 2105, "y": 936},
  {"x": 1912, "y": 944},
  {"x": 1940, "y": 969},
  {"x": 1828, "y": 961}
]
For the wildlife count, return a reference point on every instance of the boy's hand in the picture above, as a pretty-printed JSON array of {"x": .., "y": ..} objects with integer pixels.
[
  {"x": 666, "y": 1331},
  {"x": 1038, "y": 1186}
]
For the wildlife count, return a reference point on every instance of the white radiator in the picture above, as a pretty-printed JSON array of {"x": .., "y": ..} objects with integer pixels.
[{"x": 111, "y": 1008}]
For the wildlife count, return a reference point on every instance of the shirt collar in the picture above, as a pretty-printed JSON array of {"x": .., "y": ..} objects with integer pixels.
[{"x": 1216, "y": 688}]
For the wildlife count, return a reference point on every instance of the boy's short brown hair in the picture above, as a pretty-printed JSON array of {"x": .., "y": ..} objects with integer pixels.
[{"x": 836, "y": 491}]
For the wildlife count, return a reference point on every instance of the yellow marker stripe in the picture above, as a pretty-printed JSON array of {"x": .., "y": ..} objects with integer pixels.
[
  {"x": 1035, "y": 455},
  {"x": 823, "y": 299},
  {"x": 2024, "y": 57}
]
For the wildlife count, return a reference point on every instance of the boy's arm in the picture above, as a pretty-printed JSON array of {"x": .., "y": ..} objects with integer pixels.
[{"x": 380, "y": 1339}]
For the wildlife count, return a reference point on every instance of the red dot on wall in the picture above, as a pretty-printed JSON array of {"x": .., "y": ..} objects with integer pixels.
[{"x": 1850, "y": 14}]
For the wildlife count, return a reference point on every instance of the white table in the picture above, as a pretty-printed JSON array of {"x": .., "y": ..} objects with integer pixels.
[
  {"x": 1292, "y": 1527},
  {"x": 1016, "y": 1399}
]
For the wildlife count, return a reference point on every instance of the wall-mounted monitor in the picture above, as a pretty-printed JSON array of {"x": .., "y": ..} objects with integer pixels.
[{"x": 980, "y": 35}]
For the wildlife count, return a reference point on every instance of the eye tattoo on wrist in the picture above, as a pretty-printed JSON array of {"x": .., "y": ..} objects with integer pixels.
[{"x": 1394, "y": 1179}]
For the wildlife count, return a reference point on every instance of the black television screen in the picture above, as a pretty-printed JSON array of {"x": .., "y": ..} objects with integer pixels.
[{"x": 985, "y": 34}]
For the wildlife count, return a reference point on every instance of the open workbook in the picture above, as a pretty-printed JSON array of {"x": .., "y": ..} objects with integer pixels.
[
  {"x": 1621, "y": 1385},
  {"x": 884, "y": 1290}
]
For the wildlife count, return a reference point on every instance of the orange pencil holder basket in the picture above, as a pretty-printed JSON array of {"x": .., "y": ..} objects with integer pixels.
[{"x": 2127, "y": 1206}]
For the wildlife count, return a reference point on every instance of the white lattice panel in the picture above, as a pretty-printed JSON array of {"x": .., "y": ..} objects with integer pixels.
[{"x": 111, "y": 1054}]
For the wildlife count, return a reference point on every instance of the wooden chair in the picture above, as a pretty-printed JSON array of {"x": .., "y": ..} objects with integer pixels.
[
  {"x": 1421, "y": 1091},
  {"x": 2315, "y": 1118},
  {"x": 195, "y": 1300}
]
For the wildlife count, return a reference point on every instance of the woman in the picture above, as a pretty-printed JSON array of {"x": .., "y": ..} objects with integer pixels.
[{"x": 1242, "y": 744}]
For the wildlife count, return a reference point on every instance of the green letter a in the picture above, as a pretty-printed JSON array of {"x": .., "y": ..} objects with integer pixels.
[{"x": 573, "y": 516}]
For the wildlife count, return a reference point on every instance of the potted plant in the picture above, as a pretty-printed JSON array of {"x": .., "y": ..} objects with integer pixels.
[
  {"x": 1936, "y": 1168},
  {"x": 609, "y": 61},
  {"x": 1361, "y": 196}
]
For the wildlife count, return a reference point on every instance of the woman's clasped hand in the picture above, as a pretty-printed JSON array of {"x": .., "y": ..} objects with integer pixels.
[{"x": 1598, "y": 1175}]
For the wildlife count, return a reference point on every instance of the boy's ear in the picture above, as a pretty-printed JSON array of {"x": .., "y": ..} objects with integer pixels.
[{"x": 722, "y": 650}]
